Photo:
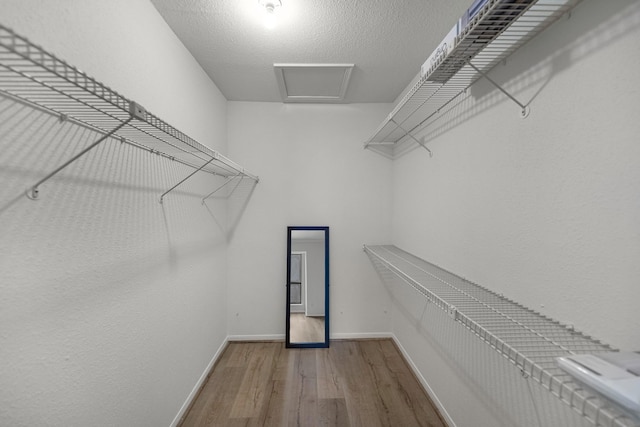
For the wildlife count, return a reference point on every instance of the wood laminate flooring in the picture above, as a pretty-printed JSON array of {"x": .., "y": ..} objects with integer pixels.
[
  {"x": 306, "y": 328},
  {"x": 352, "y": 383}
]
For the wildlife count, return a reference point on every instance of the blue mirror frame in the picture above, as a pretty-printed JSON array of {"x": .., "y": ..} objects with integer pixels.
[{"x": 320, "y": 344}]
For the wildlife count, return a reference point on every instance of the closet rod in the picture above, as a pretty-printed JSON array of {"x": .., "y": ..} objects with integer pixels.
[{"x": 32, "y": 192}]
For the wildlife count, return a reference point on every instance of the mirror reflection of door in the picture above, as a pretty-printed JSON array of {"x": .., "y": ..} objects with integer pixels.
[
  {"x": 307, "y": 321},
  {"x": 298, "y": 281}
]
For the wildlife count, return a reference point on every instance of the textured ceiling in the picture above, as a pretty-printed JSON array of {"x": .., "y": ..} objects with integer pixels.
[{"x": 386, "y": 40}]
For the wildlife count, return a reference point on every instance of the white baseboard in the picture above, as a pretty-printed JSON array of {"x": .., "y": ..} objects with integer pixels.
[
  {"x": 360, "y": 335},
  {"x": 270, "y": 337},
  {"x": 201, "y": 380},
  {"x": 425, "y": 384},
  {"x": 337, "y": 336}
]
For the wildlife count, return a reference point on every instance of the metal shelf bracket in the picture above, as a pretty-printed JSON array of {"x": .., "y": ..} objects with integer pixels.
[
  {"x": 33, "y": 192},
  {"x": 526, "y": 338},
  {"x": 229, "y": 179},
  {"x": 40, "y": 80},
  {"x": 186, "y": 178},
  {"x": 452, "y": 311},
  {"x": 524, "y": 109},
  {"x": 420, "y": 143}
]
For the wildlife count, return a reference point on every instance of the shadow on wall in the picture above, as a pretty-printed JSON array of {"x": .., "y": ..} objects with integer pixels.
[
  {"x": 500, "y": 387},
  {"x": 237, "y": 192},
  {"x": 238, "y": 202},
  {"x": 605, "y": 23},
  {"x": 98, "y": 228},
  {"x": 36, "y": 142}
]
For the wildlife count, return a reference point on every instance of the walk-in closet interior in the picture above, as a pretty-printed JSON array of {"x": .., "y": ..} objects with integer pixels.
[{"x": 482, "y": 202}]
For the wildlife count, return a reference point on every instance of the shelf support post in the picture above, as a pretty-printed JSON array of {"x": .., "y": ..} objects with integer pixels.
[
  {"x": 524, "y": 108},
  {"x": 420, "y": 143},
  {"x": 186, "y": 178},
  {"x": 33, "y": 192}
]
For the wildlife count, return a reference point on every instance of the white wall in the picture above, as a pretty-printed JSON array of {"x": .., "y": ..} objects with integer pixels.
[
  {"x": 544, "y": 210},
  {"x": 313, "y": 171},
  {"x": 111, "y": 305}
]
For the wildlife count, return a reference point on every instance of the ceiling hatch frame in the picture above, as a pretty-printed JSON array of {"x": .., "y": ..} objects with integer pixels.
[{"x": 328, "y": 81}]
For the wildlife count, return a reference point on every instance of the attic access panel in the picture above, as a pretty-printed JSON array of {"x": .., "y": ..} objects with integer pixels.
[{"x": 325, "y": 83}]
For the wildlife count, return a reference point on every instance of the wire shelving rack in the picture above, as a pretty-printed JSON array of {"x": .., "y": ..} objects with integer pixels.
[
  {"x": 30, "y": 74},
  {"x": 494, "y": 33},
  {"x": 526, "y": 338}
]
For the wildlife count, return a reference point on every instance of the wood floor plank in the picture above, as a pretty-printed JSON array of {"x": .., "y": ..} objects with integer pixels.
[
  {"x": 240, "y": 353},
  {"x": 276, "y": 408},
  {"x": 304, "y": 408},
  {"x": 251, "y": 394},
  {"x": 328, "y": 375},
  {"x": 384, "y": 386},
  {"x": 306, "y": 328},
  {"x": 333, "y": 412},
  {"x": 352, "y": 383},
  {"x": 357, "y": 385},
  {"x": 303, "y": 393},
  {"x": 415, "y": 397},
  {"x": 390, "y": 389},
  {"x": 213, "y": 405},
  {"x": 285, "y": 364}
]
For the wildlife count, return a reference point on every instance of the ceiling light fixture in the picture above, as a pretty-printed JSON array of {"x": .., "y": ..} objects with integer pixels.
[{"x": 270, "y": 7}]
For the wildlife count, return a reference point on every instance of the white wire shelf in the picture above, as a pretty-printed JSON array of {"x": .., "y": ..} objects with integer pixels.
[
  {"x": 32, "y": 75},
  {"x": 494, "y": 33},
  {"x": 528, "y": 339}
]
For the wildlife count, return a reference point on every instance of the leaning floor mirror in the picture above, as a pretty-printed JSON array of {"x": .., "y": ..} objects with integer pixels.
[{"x": 307, "y": 323}]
